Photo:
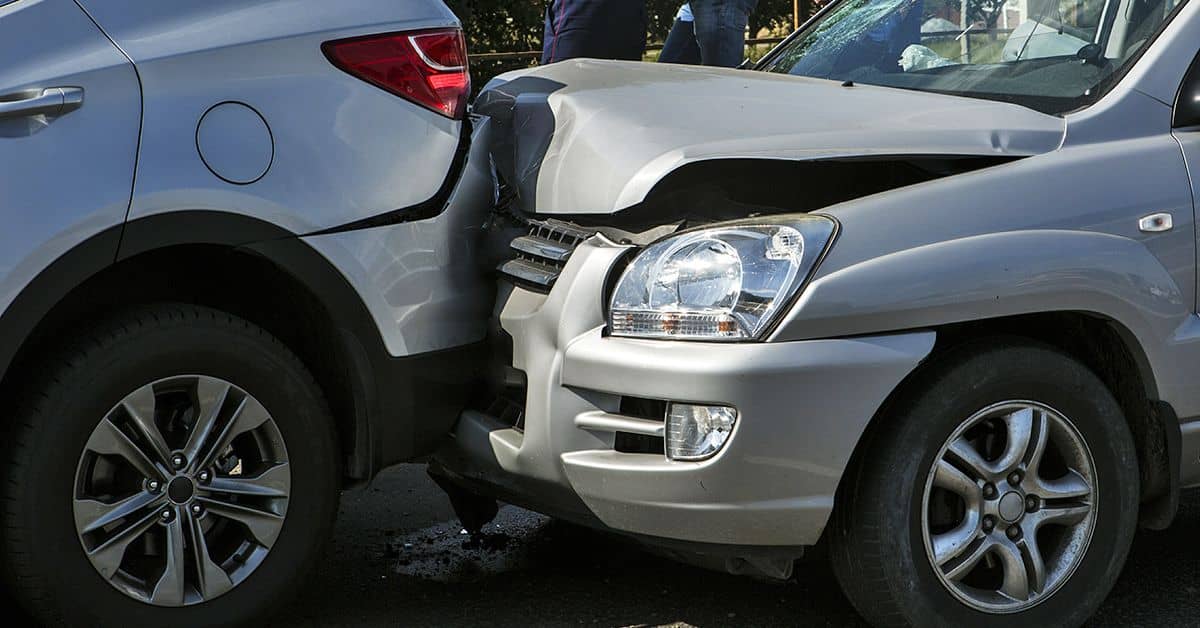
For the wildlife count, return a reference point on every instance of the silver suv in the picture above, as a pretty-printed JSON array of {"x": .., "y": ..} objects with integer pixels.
[
  {"x": 921, "y": 288},
  {"x": 236, "y": 275}
]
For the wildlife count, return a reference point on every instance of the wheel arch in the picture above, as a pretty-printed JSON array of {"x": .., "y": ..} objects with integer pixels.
[
  {"x": 1111, "y": 351},
  {"x": 241, "y": 265}
]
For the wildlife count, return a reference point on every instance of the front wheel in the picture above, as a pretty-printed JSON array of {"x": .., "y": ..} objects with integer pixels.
[
  {"x": 177, "y": 467},
  {"x": 1003, "y": 488}
]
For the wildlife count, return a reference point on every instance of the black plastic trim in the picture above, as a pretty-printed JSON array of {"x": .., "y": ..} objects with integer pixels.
[
  {"x": 161, "y": 231},
  {"x": 1158, "y": 510},
  {"x": 1187, "y": 115},
  {"x": 50, "y": 286}
]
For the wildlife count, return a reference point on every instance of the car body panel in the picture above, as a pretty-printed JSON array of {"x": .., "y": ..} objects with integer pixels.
[
  {"x": 774, "y": 482},
  {"x": 756, "y": 491},
  {"x": 344, "y": 150},
  {"x": 621, "y": 127},
  {"x": 339, "y": 151},
  {"x": 1189, "y": 142},
  {"x": 1053, "y": 226},
  {"x": 1045, "y": 234},
  {"x": 94, "y": 147},
  {"x": 118, "y": 190},
  {"x": 421, "y": 279}
]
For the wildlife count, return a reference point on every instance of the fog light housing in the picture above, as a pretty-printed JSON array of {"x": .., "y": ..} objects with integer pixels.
[{"x": 698, "y": 432}]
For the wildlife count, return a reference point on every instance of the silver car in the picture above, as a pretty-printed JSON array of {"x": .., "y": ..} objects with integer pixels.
[
  {"x": 922, "y": 288},
  {"x": 236, "y": 275}
]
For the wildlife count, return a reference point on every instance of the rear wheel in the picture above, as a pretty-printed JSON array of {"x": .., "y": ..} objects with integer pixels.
[
  {"x": 1003, "y": 489},
  {"x": 156, "y": 471}
]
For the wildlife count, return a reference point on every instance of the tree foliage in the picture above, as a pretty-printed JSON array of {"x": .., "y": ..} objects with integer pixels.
[
  {"x": 986, "y": 11},
  {"x": 501, "y": 25},
  {"x": 516, "y": 25}
]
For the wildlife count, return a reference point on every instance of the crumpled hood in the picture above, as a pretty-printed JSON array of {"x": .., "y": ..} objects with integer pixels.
[{"x": 594, "y": 137}]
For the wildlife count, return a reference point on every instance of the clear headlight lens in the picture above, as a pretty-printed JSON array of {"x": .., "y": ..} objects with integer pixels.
[{"x": 727, "y": 282}]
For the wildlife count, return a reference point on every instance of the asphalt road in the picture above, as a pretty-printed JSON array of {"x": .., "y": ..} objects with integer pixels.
[{"x": 398, "y": 560}]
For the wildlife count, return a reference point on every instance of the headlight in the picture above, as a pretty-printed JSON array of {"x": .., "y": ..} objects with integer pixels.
[{"x": 727, "y": 282}]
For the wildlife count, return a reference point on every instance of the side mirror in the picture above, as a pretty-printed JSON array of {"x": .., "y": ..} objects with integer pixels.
[{"x": 1187, "y": 103}]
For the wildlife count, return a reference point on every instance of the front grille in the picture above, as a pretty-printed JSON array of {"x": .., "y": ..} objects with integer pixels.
[{"x": 542, "y": 254}]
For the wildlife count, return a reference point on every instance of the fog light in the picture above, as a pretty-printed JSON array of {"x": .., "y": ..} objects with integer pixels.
[{"x": 698, "y": 432}]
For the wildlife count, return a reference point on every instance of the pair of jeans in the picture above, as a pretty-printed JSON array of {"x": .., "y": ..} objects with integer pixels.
[
  {"x": 721, "y": 30},
  {"x": 681, "y": 45},
  {"x": 596, "y": 29}
]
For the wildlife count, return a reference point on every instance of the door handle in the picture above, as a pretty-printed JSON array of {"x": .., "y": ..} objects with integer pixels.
[{"x": 52, "y": 101}]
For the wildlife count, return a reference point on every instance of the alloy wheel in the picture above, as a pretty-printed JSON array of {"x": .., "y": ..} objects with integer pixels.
[
  {"x": 1009, "y": 506},
  {"x": 181, "y": 490}
]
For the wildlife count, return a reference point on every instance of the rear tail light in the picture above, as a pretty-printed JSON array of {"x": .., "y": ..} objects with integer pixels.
[{"x": 426, "y": 67}]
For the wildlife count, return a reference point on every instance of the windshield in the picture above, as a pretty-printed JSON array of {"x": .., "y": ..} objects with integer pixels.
[{"x": 1050, "y": 55}]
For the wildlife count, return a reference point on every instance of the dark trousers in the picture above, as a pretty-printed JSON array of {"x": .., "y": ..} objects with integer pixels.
[
  {"x": 681, "y": 45},
  {"x": 721, "y": 30},
  {"x": 596, "y": 29}
]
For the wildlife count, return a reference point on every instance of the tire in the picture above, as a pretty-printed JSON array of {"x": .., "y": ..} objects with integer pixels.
[
  {"x": 61, "y": 474},
  {"x": 903, "y": 547}
]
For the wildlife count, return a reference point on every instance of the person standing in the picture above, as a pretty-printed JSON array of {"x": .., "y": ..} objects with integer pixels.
[
  {"x": 596, "y": 29},
  {"x": 721, "y": 30},
  {"x": 681, "y": 45}
]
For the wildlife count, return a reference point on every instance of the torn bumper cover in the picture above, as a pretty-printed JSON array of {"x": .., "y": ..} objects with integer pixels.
[{"x": 802, "y": 407}]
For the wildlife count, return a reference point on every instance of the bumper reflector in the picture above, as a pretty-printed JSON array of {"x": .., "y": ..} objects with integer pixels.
[{"x": 698, "y": 432}]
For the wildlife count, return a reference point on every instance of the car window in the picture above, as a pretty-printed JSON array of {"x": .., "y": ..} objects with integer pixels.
[{"x": 1052, "y": 55}]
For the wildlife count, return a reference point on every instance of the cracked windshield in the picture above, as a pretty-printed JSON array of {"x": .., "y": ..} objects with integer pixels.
[{"x": 1050, "y": 55}]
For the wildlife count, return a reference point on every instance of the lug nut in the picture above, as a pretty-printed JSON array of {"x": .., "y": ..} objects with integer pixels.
[
  {"x": 989, "y": 524},
  {"x": 1032, "y": 503},
  {"x": 167, "y": 515},
  {"x": 1014, "y": 533},
  {"x": 197, "y": 509},
  {"x": 989, "y": 491},
  {"x": 154, "y": 486},
  {"x": 205, "y": 476},
  {"x": 178, "y": 460},
  {"x": 1015, "y": 478}
]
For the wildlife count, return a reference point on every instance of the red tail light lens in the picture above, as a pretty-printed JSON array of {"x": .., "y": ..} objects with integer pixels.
[{"x": 426, "y": 67}]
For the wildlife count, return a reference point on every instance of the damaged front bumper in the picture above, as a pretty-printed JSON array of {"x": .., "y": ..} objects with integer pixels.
[{"x": 586, "y": 447}]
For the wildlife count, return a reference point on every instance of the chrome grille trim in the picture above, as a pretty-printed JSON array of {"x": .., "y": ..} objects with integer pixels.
[
  {"x": 542, "y": 254},
  {"x": 530, "y": 272},
  {"x": 598, "y": 421},
  {"x": 541, "y": 247}
]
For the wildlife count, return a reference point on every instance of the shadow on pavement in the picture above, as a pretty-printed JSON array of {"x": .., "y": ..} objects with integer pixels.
[
  {"x": 530, "y": 571},
  {"x": 399, "y": 560}
]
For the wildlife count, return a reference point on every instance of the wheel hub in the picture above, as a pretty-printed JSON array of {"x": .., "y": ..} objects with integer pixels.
[
  {"x": 1012, "y": 507},
  {"x": 1007, "y": 474},
  {"x": 181, "y": 490}
]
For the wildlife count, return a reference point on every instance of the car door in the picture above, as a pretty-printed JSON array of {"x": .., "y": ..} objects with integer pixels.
[
  {"x": 1187, "y": 126},
  {"x": 70, "y": 110}
]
